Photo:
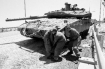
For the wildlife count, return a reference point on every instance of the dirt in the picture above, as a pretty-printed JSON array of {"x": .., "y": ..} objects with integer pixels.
[{"x": 19, "y": 52}]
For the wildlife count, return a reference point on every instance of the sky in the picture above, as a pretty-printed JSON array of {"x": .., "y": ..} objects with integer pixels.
[{"x": 15, "y": 9}]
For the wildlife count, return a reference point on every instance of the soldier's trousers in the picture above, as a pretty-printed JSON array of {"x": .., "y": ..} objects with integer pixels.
[
  {"x": 73, "y": 45},
  {"x": 57, "y": 49}
]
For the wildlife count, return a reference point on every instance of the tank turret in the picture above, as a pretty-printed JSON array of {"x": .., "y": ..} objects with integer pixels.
[{"x": 70, "y": 12}]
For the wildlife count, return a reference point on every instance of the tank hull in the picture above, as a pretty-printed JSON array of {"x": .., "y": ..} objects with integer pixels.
[{"x": 39, "y": 27}]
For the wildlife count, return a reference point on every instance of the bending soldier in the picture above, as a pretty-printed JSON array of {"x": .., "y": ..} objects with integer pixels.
[
  {"x": 54, "y": 43},
  {"x": 73, "y": 39}
]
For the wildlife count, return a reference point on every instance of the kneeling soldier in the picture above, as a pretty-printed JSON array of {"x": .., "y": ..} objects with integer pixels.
[{"x": 54, "y": 43}]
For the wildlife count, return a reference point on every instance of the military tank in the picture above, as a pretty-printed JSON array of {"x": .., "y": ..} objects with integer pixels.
[{"x": 76, "y": 17}]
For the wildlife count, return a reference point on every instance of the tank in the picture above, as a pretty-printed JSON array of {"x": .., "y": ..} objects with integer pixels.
[{"x": 37, "y": 27}]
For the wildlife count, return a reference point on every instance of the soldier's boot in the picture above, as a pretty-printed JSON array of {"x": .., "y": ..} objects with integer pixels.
[
  {"x": 76, "y": 53},
  {"x": 50, "y": 56},
  {"x": 71, "y": 51},
  {"x": 56, "y": 57}
]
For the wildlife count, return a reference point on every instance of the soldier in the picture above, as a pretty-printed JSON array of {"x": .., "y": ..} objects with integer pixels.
[
  {"x": 54, "y": 43},
  {"x": 73, "y": 39}
]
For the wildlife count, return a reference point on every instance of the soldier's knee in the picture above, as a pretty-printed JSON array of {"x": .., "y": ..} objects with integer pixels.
[
  {"x": 75, "y": 47},
  {"x": 79, "y": 38}
]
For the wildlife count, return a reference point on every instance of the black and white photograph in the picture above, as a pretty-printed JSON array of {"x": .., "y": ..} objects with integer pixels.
[{"x": 52, "y": 34}]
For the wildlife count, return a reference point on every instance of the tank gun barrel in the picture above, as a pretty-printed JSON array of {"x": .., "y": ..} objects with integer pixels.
[{"x": 26, "y": 18}]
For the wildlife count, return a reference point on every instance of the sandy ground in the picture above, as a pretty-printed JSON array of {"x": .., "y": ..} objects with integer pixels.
[{"x": 19, "y": 52}]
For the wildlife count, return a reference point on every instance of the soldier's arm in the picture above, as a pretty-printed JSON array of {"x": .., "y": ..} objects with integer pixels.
[
  {"x": 62, "y": 38},
  {"x": 61, "y": 30},
  {"x": 46, "y": 38},
  {"x": 76, "y": 32}
]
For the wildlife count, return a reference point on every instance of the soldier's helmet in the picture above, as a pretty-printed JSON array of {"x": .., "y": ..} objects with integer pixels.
[
  {"x": 55, "y": 29},
  {"x": 67, "y": 24}
]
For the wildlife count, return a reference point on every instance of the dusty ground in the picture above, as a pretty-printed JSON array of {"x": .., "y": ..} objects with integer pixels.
[{"x": 19, "y": 52}]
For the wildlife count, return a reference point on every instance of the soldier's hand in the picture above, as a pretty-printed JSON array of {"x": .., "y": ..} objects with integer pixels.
[{"x": 68, "y": 40}]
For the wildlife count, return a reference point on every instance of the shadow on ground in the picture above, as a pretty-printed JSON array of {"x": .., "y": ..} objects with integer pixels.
[
  {"x": 7, "y": 43},
  {"x": 35, "y": 45},
  {"x": 70, "y": 57}
]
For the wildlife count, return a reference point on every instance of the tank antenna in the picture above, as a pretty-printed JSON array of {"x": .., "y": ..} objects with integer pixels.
[
  {"x": 100, "y": 13},
  {"x": 25, "y": 8}
]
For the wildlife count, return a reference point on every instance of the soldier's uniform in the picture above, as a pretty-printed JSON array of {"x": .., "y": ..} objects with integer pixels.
[
  {"x": 73, "y": 40},
  {"x": 54, "y": 43}
]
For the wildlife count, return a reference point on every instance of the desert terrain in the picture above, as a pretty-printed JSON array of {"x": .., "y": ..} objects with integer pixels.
[{"x": 19, "y": 52}]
